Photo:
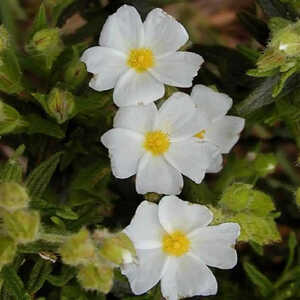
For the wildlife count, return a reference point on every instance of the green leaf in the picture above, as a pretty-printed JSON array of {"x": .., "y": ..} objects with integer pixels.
[
  {"x": 260, "y": 97},
  {"x": 38, "y": 275},
  {"x": 40, "y": 177},
  {"x": 67, "y": 273},
  {"x": 43, "y": 126},
  {"x": 40, "y": 22},
  {"x": 263, "y": 284},
  {"x": 13, "y": 283},
  {"x": 255, "y": 26},
  {"x": 275, "y": 8}
]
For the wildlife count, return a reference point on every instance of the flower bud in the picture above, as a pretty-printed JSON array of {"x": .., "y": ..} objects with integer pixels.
[
  {"x": 78, "y": 249},
  {"x": 240, "y": 197},
  {"x": 8, "y": 250},
  {"x": 288, "y": 40},
  {"x": 22, "y": 225},
  {"x": 118, "y": 249},
  {"x": 96, "y": 277},
  {"x": 10, "y": 119},
  {"x": 47, "y": 41},
  {"x": 13, "y": 196},
  {"x": 265, "y": 164},
  {"x": 4, "y": 39},
  {"x": 75, "y": 73},
  {"x": 61, "y": 105}
]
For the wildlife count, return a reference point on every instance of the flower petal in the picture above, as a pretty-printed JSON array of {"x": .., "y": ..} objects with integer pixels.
[
  {"x": 213, "y": 245},
  {"x": 214, "y": 104},
  {"x": 177, "y": 117},
  {"x": 138, "y": 118},
  {"x": 123, "y": 30},
  {"x": 147, "y": 272},
  {"x": 108, "y": 64},
  {"x": 156, "y": 175},
  {"x": 125, "y": 150},
  {"x": 145, "y": 230},
  {"x": 216, "y": 164},
  {"x": 187, "y": 277},
  {"x": 163, "y": 33},
  {"x": 136, "y": 88},
  {"x": 225, "y": 132},
  {"x": 177, "y": 69},
  {"x": 192, "y": 158},
  {"x": 176, "y": 214}
]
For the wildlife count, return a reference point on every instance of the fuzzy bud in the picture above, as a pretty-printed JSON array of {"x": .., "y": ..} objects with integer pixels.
[
  {"x": 118, "y": 249},
  {"x": 287, "y": 40},
  {"x": 48, "y": 42},
  {"x": 61, "y": 105},
  {"x": 265, "y": 164},
  {"x": 8, "y": 250},
  {"x": 22, "y": 225},
  {"x": 96, "y": 277},
  {"x": 75, "y": 73},
  {"x": 78, "y": 249},
  {"x": 13, "y": 196}
]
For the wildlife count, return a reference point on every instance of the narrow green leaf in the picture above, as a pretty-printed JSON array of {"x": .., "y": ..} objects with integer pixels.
[
  {"x": 40, "y": 22},
  {"x": 13, "y": 282},
  {"x": 292, "y": 243},
  {"x": 43, "y": 126},
  {"x": 255, "y": 26},
  {"x": 263, "y": 284},
  {"x": 38, "y": 275},
  {"x": 40, "y": 177},
  {"x": 67, "y": 273},
  {"x": 260, "y": 97}
]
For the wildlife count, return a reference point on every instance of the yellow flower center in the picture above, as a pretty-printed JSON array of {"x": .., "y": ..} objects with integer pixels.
[
  {"x": 156, "y": 142},
  {"x": 176, "y": 244},
  {"x": 200, "y": 135},
  {"x": 140, "y": 59}
]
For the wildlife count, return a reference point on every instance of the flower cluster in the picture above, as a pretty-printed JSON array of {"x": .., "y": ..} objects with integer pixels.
[{"x": 185, "y": 135}]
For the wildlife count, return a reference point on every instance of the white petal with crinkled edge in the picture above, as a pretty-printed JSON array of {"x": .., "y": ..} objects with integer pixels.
[
  {"x": 192, "y": 158},
  {"x": 147, "y": 272},
  {"x": 176, "y": 214},
  {"x": 137, "y": 88},
  {"x": 216, "y": 164},
  {"x": 186, "y": 276},
  {"x": 214, "y": 104},
  {"x": 156, "y": 175},
  {"x": 177, "y": 69},
  {"x": 163, "y": 33},
  {"x": 123, "y": 30},
  {"x": 108, "y": 65},
  {"x": 213, "y": 245},
  {"x": 145, "y": 230},
  {"x": 175, "y": 113},
  {"x": 225, "y": 132},
  {"x": 138, "y": 118},
  {"x": 125, "y": 150}
]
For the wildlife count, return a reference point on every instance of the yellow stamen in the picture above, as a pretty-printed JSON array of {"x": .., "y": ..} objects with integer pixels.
[
  {"x": 176, "y": 244},
  {"x": 200, "y": 135},
  {"x": 156, "y": 142},
  {"x": 140, "y": 59}
]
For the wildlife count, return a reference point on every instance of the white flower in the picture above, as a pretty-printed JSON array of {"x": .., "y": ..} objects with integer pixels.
[
  {"x": 159, "y": 145},
  {"x": 137, "y": 58},
  {"x": 221, "y": 130},
  {"x": 174, "y": 245}
]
